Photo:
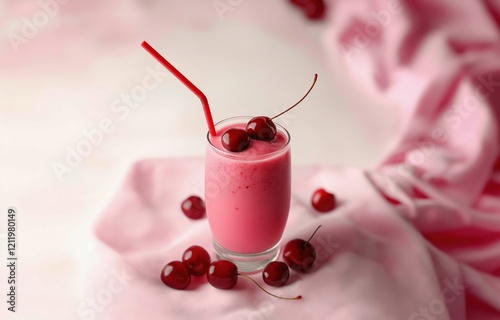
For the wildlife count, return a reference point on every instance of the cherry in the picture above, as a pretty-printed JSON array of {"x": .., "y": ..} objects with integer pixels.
[
  {"x": 223, "y": 274},
  {"x": 261, "y": 128},
  {"x": 193, "y": 207},
  {"x": 235, "y": 140},
  {"x": 315, "y": 9},
  {"x": 175, "y": 274},
  {"x": 323, "y": 201},
  {"x": 276, "y": 273},
  {"x": 300, "y": 254},
  {"x": 196, "y": 260}
]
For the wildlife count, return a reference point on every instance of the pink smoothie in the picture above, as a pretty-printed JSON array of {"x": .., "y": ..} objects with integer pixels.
[{"x": 247, "y": 193}]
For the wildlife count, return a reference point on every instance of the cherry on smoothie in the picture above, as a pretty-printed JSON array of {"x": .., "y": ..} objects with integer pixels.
[
  {"x": 300, "y": 254},
  {"x": 261, "y": 128},
  {"x": 323, "y": 201},
  {"x": 175, "y": 274},
  {"x": 235, "y": 140},
  {"x": 276, "y": 273},
  {"x": 197, "y": 260},
  {"x": 193, "y": 207}
]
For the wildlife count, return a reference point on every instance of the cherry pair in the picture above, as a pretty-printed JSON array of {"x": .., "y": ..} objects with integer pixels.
[
  {"x": 258, "y": 128},
  {"x": 177, "y": 274},
  {"x": 224, "y": 274},
  {"x": 298, "y": 255}
]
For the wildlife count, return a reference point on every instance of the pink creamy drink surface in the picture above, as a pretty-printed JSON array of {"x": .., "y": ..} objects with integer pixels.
[
  {"x": 256, "y": 147},
  {"x": 248, "y": 193}
]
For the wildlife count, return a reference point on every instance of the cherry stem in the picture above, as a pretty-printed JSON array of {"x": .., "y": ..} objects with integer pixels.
[
  {"x": 312, "y": 85},
  {"x": 269, "y": 293},
  {"x": 305, "y": 244},
  {"x": 186, "y": 82}
]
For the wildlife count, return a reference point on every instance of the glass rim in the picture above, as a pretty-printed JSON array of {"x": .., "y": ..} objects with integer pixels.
[{"x": 237, "y": 155}]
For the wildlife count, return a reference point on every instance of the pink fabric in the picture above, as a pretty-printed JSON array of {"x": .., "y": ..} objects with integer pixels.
[{"x": 417, "y": 237}]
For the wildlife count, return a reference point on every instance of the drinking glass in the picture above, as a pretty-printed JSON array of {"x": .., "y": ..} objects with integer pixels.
[{"x": 247, "y": 196}]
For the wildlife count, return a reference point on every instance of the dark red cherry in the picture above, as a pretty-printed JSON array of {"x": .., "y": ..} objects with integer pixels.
[
  {"x": 222, "y": 274},
  {"x": 196, "y": 260},
  {"x": 193, "y": 207},
  {"x": 261, "y": 128},
  {"x": 235, "y": 140},
  {"x": 175, "y": 275},
  {"x": 323, "y": 201},
  {"x": 314, "y": 9},
  {"x": 300, "y": 254},
  {"x": 276, "y": 273}
]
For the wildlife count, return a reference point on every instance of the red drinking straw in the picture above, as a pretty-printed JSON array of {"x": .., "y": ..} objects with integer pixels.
[{"x": 187, "y": 83}]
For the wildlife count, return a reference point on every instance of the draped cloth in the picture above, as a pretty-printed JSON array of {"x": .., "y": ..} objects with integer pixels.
[{"x": 415, "y": 237}]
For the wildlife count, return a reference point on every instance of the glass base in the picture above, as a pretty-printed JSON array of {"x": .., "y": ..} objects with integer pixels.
[{"x": 248, "y": 262}]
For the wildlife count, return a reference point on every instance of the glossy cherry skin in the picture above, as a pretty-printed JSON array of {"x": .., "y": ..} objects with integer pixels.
[
  {"x": 193, "y": 207},
  {"x": 175, "y": 275},
  {"x": 261, "y": 128},
  {"x": 323, "y": 201},
  {"x": 235, "y": 140},
  {"x": 222, "y": 274},
  {"x": 299, "y": 255},
  {"x": 276, "y": 273},
  {"x": 196, "y": 260}
]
